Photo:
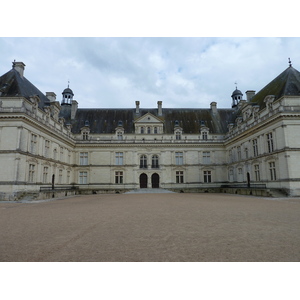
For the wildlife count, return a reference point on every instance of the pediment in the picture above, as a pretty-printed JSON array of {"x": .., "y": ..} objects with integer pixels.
[{"x": 148, "y": 118}]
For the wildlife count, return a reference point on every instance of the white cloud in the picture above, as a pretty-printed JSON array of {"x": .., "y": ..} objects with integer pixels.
[{"x": 181, "y": 72}]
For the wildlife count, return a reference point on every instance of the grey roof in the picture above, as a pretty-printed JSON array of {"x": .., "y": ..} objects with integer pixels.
[
  {"x": 13, "y": 85},
  {"x": 190, "y": 120},
  {"x": 285, "y": 84}
]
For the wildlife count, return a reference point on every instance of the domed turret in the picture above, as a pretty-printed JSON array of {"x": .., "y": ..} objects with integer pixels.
[
  {"x": 236, "y": 96},
  {"x": 67, "y": 96}
]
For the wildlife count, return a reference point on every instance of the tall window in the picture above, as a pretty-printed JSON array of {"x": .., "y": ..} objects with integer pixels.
[
  {"x": 204, "y": 135},
  {"x": 179, "y": 176},
  {"x": 148, "y": 130},
  {"x": 270, "y": 142},
  {"x": 179, "y": 158},
  {"x": 155, "y": 161},
  {"x": 207, "y": 176},
  {"x": 272, "y": 170},
  {"x": 85, "y": 135},
  {"x": 45, "y": 175},
  {"x": 61, "y": 154},
  {"x": 246, "y": 153},
  {"x": 155, "y": 130},
  {"x": 60, "y": 175},
  {"x": 31, "y": 173},
  {"x": 55, "y": 154},
  {"x": 119, "y": 177},
  {"x": 120, "y": 135},
  {"x": 255, "y": 148},
  {"x": 142, "y": 130},
  {"x": 82, "y": 177},
  {"x": 119, "y": 158},
  {"x": 47, "y": 148},
  {"x": 239, "y": 153},
  {"x": 256, "y": 173},
  {"x": 33, "y": 144},
  {"x": 178, "y": 135},
  {"x": 206, "y": 157},
  {"x": 83, "y": 158},
  {"x": 143, "y": 162}
]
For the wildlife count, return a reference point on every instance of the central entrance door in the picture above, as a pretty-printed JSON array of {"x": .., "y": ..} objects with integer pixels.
[
  {"x": 155, "y": 181},
  {"x": 143, "y": 181}
]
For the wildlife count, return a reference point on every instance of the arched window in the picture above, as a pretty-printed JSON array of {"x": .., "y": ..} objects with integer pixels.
[
  {"x": 155, "y": 164},
  {"x": 143, "y": 162}
]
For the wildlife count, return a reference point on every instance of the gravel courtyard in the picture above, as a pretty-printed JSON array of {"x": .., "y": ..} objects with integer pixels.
[{"x": 151, "y": 227}]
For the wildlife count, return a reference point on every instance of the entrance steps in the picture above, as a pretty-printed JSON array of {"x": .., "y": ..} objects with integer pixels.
[{"x": 149, "y": 191}]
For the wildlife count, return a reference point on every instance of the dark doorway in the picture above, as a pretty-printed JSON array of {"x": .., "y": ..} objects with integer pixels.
[
  {"x": 155, "y": 181},
  {"x": 248, "y": 179},
  {"x": 53, "y": 179},
  {"x": 143, "y": 181}
]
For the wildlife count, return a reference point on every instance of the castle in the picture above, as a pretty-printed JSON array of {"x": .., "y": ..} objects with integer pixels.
[{"x": 50, "y": 147}]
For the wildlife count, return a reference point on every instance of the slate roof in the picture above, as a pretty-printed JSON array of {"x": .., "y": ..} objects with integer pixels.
[
  {"x": 285, "y": 84},
  {"x": 190, "y": 120},
  {"x": 13, "y": 85}
]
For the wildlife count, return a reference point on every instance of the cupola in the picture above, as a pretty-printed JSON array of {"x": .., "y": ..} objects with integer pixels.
[
  {"x": 67, "y": 96},
  {"x": 236, "y": 96}
]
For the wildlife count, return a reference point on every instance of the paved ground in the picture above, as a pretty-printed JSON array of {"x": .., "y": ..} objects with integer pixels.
[{"x": 151, "y": 227}]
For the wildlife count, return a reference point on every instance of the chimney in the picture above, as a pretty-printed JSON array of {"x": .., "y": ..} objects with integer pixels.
[
  {"x": 213, "y": 107},
  {"x": 137, "y": 107},
  {"x": 159, "y": 107},
  {"x": 74, "y": 108},
  {"x": 19, "y": 66},
  {"x": 51, "y": 96},
  {"x": 250, "y": 94}
]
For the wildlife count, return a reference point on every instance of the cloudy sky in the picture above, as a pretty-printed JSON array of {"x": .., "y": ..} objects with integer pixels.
[
  {"x": 125, "y": 55},
  {"x": 181, "y": 72}
]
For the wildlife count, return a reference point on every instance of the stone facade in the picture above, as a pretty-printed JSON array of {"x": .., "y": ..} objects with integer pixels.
[{"x": 49, "y": 147}]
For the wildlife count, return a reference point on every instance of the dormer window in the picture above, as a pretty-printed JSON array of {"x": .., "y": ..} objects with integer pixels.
[
  {"x": 120, "y": 135},
  {"x": 85, "y": 135},
  {"x": 204, "y": 135},
  {"x": 178, "y": 135}
]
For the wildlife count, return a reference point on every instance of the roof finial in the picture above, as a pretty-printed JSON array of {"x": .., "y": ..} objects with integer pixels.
[
  {"x": 235, "y": 85},
  {"x": 14, "y": 63},
  {"x": 290, "y": 63},
  {"x": 68, "y": 83}
]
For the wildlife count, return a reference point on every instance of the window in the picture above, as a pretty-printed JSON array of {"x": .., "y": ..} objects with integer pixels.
[
  {"x": 155, "y": 130},
  {"x": 47, "y": 148},
  {"x": 83, "y": 158},
  {"x": 255, "y": 148},
  {"x": 179, "y": 158},
  {"x": 60, "y": 175},
  {"x": 148, "y": 130},
  {"x": 119, "y": 158},
  {"x": 204, "y": 135},
  {"x": 85, "y": 135},
  {"x": 143, "y": 162},
  {"x": 68, "y": 177},
  {"x": 31, "y": 173},
  {"x": 142, "y": 130},
  {"x": 206, "y": 157},
  {"x": 207, "y": 176},
  {"x": 61, "y": 153},
  {"x": 178, "y": 135},
  {"x": 246, "y": 153},
  {"x": 120, "y": 135},
  {"x": 45, "y": 175},
  {"x": 270, "y": 142},
  {"x": 272, "y": 170},
  {"x": 119, "y": 177},
  {"x": 239, "y": 153},
  {"x": 256, "y": 173},
  {"x": 155, "y": 162},
  {"x": 33, "y": 143},
  {"x": 55, "y": 154},
  {"x": 179, "y": 176},
  {"x": 82, "y": 177}
]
